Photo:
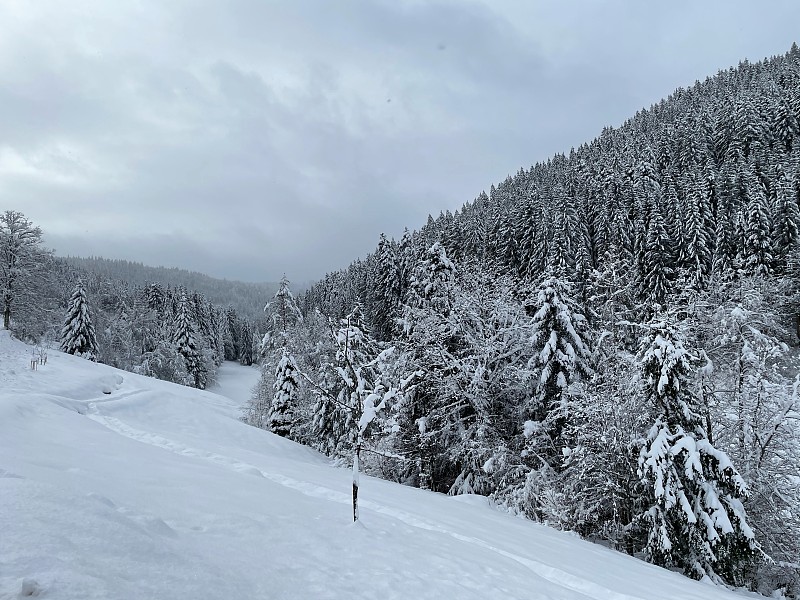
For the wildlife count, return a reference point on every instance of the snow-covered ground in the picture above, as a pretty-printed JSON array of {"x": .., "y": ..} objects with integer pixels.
[{"x": 116, "y": 486}]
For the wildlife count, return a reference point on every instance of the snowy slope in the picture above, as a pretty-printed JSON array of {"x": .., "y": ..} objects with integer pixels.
[{"x": 118, "y": 486}]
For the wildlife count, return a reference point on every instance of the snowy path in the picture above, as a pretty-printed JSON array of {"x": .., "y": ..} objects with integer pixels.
[{"x": 116, "y": 486}]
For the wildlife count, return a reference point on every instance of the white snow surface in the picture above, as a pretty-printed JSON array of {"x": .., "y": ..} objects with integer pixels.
[{"x": 116, "y": 486}]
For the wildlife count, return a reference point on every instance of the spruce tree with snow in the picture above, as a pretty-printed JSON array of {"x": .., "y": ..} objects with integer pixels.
[
  {"x": 758, "y": 258},
  {"x": 656, "y": 269},
  {"x": 186, "y": 344},
  {"x": 405, "y": 264},
  {"x": 786, "y": 233},
  {"x": 282, "y": 313},
  {"x": 282, "y": 411},
  {"x": 432, "y": 282},
  {"x": 698, "y": 236},
  {"x": 78, "y": 335},
  {"x": 246, "y": 354},
  {"x": 696, "y": 520},
  {"x": 231, "y": 341},
  {"x": 387, "y": 289},
  {"x": 560, "y": 356}
]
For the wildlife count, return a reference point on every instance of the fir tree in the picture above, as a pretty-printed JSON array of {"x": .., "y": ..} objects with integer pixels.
[
  {"x": 387, "y": 290},
  {"x": 696, "y": 520},
  {"x": 656, "y": 262},
  {"x": 560, "y": 357},
  {"x": 283, "y": 314},
  {"x": 282, "y": 411},
  {"x": 246, "y": 355},
  {"x": 78, "y": 335},
  {"x": 758, "y": 227},
  {"x": 184, "y": 340},
  {"x": 232, "y": 344}
]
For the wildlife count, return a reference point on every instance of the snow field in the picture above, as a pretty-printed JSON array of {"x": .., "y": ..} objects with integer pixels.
[{"x": 119, "y": 486}]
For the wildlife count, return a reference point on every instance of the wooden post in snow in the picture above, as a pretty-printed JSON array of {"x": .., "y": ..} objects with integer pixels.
[{"x": 356, "y": 479}]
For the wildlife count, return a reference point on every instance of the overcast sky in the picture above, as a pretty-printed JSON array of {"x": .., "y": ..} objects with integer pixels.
[{"x": 248, "y": 138}]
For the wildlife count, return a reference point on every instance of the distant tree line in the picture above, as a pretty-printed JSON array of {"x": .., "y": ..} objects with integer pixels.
[{"x": 247, "y": 299}]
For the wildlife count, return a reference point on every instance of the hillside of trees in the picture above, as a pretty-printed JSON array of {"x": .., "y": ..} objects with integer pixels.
[{"x": 606, "y": 342}]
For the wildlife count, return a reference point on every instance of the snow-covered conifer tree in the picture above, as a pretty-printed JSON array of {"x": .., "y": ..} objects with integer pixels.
[
  {"x": 282, "y": 412},
  {"x": 656, "y": 261},
  {"x": 758, "y": 232},
  {"x": 337, "y": 411},
  {"x": 560, "y": 356},
  {"x": 184, "y": 339},
  {"x": 283, "y": 313},
  {"x": 432, "y": 281},
  {"x": 386, "y": 289},
  {"x": 696, "y": 519},
  {"x": 78, "y": 335},
  {"x": 246, "y": 354}
]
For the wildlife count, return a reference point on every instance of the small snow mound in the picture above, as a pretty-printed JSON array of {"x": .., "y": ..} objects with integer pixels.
[
  {"x": 9, "y": 475},
  {"x": 101, "y": 499},
  {"x": 358, "y": 526},
  {"x": 29, "y": 588},
  {"x": 250, "y": 470},
  {"x": 159, "y": 526},
  {"x": 110, "y": 384},
  {"x": 471, "y": 499}
]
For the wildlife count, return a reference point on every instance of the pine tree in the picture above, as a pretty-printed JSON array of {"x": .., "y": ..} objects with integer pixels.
[
  {"x": 725, "y": 247},
  {"x": 282, "y": 411},
  {"x": 405, "y": 264},
  {"x": 78, "y": 335},
  {"x": 696, "y": 519},
  {"x": 698, "y": 238}
]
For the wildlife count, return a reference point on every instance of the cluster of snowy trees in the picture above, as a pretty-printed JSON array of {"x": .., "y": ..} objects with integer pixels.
[
  {"x": 607, "y": 342},
  {"x": 155, "y": 330}
]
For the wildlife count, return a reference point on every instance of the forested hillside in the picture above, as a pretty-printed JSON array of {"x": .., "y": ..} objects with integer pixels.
[{"x": 606, "y": 342}]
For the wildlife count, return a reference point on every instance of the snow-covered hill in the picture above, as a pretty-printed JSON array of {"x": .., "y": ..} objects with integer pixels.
[{"x": 116, "y": 486}]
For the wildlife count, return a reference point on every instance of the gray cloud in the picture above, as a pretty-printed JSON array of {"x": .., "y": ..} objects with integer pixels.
[{"x": 249, "y": 138}]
